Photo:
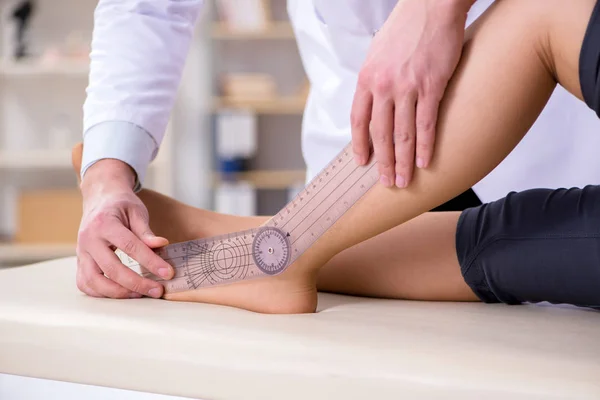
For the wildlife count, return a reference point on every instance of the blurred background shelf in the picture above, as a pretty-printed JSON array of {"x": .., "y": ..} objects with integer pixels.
[
  {"x": 293, "y": 105},
  {"x": 42, "y": 93},
  {"x": 35, "y": 159},
  {"x": 19, "y": 254},
  {"x": 277, "y": 30},
  {"x": 32, "y": 69},
  {"x": 281, "y": 179}
]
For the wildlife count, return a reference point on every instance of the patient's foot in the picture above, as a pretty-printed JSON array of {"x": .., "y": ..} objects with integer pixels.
[{"x": 293, "y": 291}]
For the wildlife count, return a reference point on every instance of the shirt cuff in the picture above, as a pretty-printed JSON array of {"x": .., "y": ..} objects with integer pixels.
[{"x": 122, "y": 141}]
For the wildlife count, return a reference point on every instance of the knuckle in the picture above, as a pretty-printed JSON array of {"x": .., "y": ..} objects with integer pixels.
[
  {"x": 138, "y": 286},
  {"x": 155, "y": 262},
  {"x": 380, "y": 138},
  {"x": 425, "y": 124},
  {"x": 99, "y": 220},
  {"x": 109, "y": 270},
  {"x": 433, "y": 85},
  {"x": 140, "y": 211},
  {"x": 424, "y": 147},
  {"x": 382, "y": 84},
  {"x": 428, "y": 85},
  {"x": 364, "y": 78},
  {"x": 402, "y": 136},
  {"x": 385, "y": 165},
  {"x": 356, "y": 120},
  {"x": 404, "y": 89},
  {"x": 85, "y": 234},
  {"x": 130, "y": 247}
]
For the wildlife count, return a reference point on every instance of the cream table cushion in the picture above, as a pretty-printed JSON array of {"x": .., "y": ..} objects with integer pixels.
[{"x": 353, "y": 348}]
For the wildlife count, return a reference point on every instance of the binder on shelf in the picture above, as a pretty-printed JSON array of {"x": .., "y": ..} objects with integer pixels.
[
  {"x": 235, "y": 198},
  {"x": 236, "y": 135}
]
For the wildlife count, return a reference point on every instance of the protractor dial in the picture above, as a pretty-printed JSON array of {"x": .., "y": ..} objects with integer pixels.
[{"x": 271, "y": 250}]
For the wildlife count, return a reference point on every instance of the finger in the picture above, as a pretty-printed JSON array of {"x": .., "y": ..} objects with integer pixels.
[
  {"x": 130, "y": 244},
  {"x": 84, "y": 264},
  {"x": 360, "y": 118},
  {"x": 92, "y": 281},
  {"x": 404, "y": 139},
  {"x": 111, "y": 266},
  {"x": 84, "y": 287},
  {"x": 383, "y": 145},
  {"x": 139, "y": 223},
  {"x": 427, "y": 112}
]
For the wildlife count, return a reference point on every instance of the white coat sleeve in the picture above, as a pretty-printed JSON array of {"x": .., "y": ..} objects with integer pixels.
[{"x": 138, "y": 52}]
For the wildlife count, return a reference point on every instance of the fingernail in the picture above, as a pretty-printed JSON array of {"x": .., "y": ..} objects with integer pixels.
[
  {"x": 155, "y": 292},
  {"x": 385, "y": 181},
  {"x": 164, "y": 272},
  {"x": 420, "y": 163},
  {"x": 400, "y": 182},
  {"x": 134, "y": 295},
  {"x": 359, "y": 159}
]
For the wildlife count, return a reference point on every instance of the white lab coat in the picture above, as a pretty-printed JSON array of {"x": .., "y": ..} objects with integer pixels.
[
  {"x": 561, "y": 149},
  {"x": 139, "y": 49}
]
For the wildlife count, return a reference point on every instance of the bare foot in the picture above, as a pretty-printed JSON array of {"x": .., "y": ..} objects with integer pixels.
[{"x": 293, "y": 291}]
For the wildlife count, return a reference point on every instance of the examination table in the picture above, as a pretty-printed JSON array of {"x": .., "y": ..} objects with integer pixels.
[{"x": 352, "y": 348}]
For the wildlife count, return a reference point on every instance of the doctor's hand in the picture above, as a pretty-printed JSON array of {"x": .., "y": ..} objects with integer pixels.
[
  {"x": 406, "y": 71},
  {"x": 114, "y": 217}
]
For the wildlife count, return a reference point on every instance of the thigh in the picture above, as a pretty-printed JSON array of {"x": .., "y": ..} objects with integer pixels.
[
  {"x": 539, "y": 245},
  {"x": 416, "y": 260}
]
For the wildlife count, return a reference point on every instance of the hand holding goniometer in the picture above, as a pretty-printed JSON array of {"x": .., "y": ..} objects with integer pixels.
[{"x": 114, "y": 217}]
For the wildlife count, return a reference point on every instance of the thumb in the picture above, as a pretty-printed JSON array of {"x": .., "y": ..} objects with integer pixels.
[{"x": 140, "y": 225}]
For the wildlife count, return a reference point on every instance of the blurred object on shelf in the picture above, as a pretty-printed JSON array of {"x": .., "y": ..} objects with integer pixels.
[
  {"x": 18, "y": 28},
  {"x": 246, "y": 15},
  {"x": 284, "y": 105},
  {"x": 235, "y": 198},
  {"x": 244, "y": 87},
  {"x": 276, "y": 30},
  {"x": 236, "y": 134},
  {"x": 304, "y": 89},
  {"x": 61, "y": 137},
  {"x": 75, "y": 49},
  {"x": 48, "y": 216}
]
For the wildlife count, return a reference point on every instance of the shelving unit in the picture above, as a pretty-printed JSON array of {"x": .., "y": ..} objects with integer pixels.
[
  {"x": 277, "y": 30},
  {"x": 267, "y": 51},
  {"x": 269, "y": 180},
  {"x": 49, "y": 159},
  {"x": 35, "y": 69},
  {"x": 36, "y": 95},
  {"x": 284, "y": 105},
  {"x": 35, "y": 159}
]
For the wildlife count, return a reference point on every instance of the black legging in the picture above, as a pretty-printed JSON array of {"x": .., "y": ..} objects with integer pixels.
[{"x": 534, "y": 246}]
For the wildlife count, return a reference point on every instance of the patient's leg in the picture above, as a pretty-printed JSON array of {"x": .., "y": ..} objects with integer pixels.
[
  {"x": 416, "y": 260},
  {"x": 513, "y": 57}
]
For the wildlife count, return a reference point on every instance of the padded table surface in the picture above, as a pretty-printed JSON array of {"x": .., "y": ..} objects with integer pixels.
[{"x": 353, "y": 348}]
